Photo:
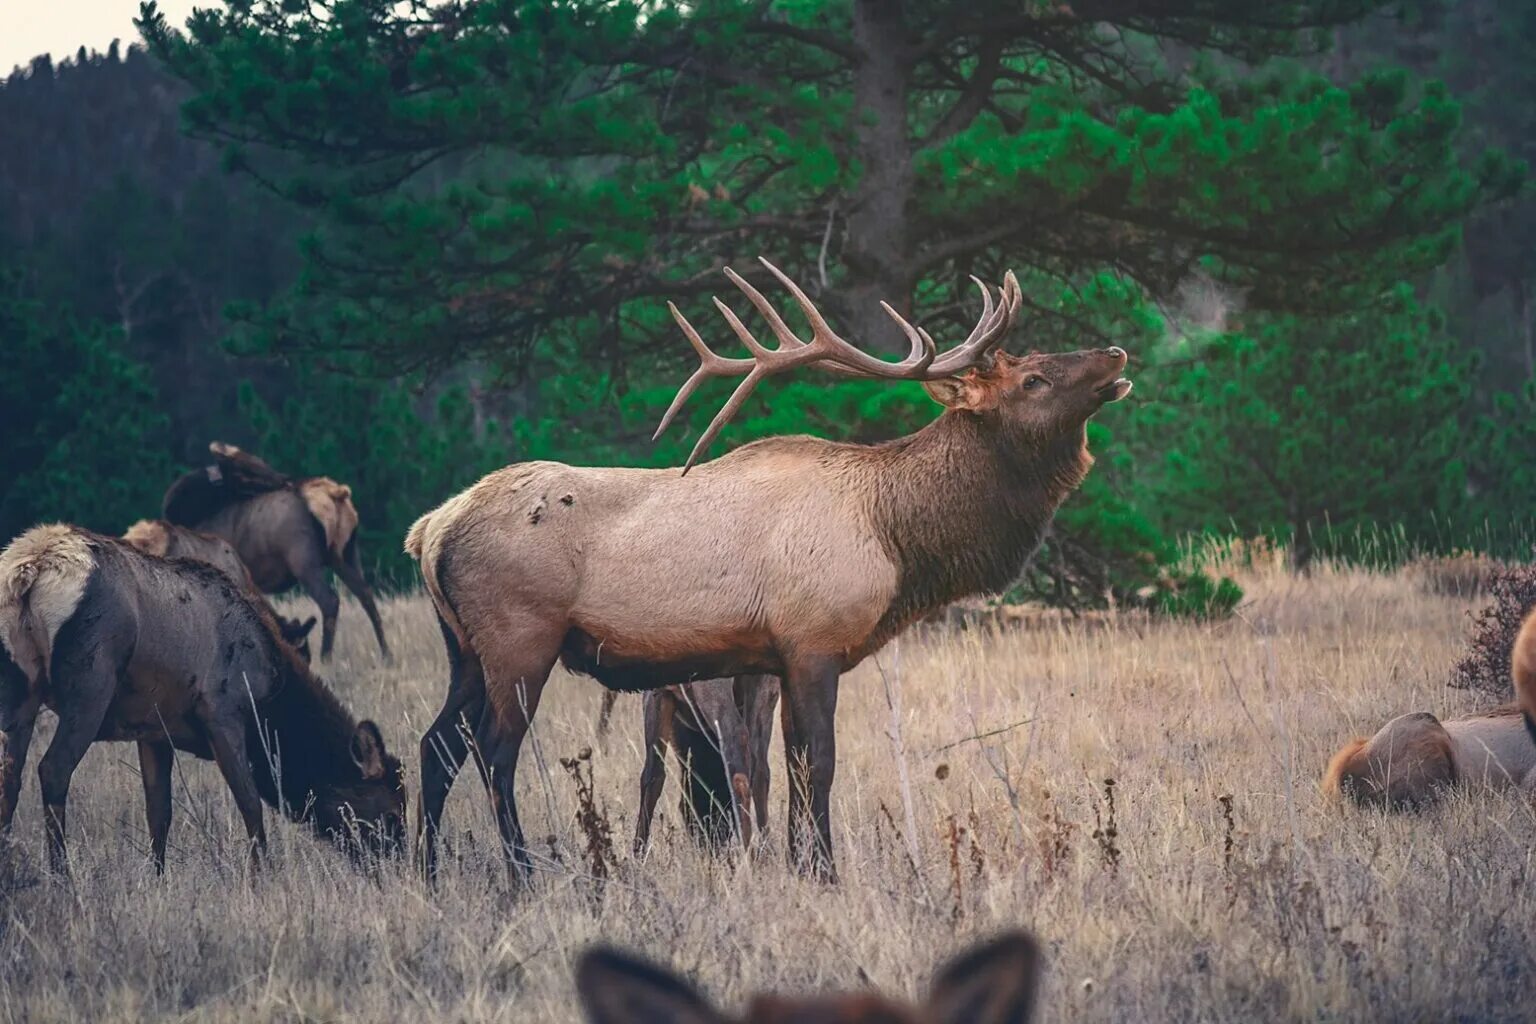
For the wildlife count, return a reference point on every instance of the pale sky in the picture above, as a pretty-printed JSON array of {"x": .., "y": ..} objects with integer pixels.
[{"x": 60, "y": 27}]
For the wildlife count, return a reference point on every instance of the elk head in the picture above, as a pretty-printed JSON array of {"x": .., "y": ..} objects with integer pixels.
[
  {"x": 1040, "y": 394},
  {"x": 993, "y": 983},
  {"x": 364, "y": 810}
]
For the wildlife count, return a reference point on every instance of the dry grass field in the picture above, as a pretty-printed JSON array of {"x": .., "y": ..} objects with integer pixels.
[{"x": 1219, "y": 887}]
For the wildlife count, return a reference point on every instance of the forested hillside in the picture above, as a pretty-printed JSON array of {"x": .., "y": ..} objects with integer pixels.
[{"x": 404, "y": 246}]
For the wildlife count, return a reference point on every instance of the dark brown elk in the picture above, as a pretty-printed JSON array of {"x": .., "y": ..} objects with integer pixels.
[
  {"x": 792, "y": 556},
  {"x": 167, "y": 540},
  {"x": 170, "y": 654},
  {"x": 719, "y": 729},
  {"x": 286, "y": 531},
  {"x": 994, "y": 982}
]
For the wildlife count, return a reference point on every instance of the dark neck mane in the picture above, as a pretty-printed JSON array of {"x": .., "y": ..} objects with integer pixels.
[
  {"x": 306, "y": 732},
  {"x": 962, "y": 504}
]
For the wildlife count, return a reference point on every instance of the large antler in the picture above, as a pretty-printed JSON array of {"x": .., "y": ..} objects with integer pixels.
[{"x": 825, "y": 347}]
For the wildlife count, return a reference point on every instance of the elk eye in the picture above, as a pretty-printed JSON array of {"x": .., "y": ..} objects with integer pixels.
[{"x": 1034, "y": 381}]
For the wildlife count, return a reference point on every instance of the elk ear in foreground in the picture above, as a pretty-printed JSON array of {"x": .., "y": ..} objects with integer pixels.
[{"x": 993, "y": 983}]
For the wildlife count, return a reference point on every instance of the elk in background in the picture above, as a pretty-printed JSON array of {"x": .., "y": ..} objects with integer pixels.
[
  {"x": 994, "y": 982},
  {"x": 792, "y": 556},
  {"x": 169, "y": 653},
  {"x": 167, "y": 540},
  {"x": 719, "y": 729},
  {"x": 286, "y": 531}
]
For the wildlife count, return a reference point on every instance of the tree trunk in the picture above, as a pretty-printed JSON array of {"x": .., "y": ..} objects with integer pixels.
[
  {"x": 1522, "y": 298},
  {"x": 877, "y": 251}
]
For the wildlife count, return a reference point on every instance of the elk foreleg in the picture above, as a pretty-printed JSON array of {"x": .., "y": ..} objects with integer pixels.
[
  {"x": 350, "y": 568},
  {"x": 229, "y": 752},
  {"x": 810, "y": 750},
  {"x": 155, "y": 762}
]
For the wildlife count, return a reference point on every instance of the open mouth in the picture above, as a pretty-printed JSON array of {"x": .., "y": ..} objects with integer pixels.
[{"x": 1114, "y": 390}]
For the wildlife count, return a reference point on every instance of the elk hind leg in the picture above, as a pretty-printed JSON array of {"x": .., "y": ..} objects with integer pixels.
[
  {"x": 83, "y": 680},
  {"x": 516, "y": 662},
  {"x": 13, "y": 759},
  {"x": 312, "y": 579},
  {"x": 350, "y": 568},
  {"x": 446, "y": 745}
]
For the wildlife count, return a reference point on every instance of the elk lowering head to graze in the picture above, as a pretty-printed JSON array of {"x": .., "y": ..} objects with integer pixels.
[
  {"x": 994, "y": 982},
  {"x": 167, "y": 540},
  {"x": 793, "y": 556},
  {"x": 286, "y": 531},
  {"x": 719, "y": 729},
  {"x": 171, "y": 654}
]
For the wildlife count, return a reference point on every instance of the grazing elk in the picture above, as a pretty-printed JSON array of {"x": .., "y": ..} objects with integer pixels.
[
  {"x": 719, "y": 730},
  {"x": 992, "y": 983},
  {"x": 286, "y": 531},
  {"x": 793, "y": 556},
  {"x": 167, "y": 540},
  {"x": 169, "y": 653}
]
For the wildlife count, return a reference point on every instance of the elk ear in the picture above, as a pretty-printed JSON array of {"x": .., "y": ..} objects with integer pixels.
[
  {"x": 368, "y": 750},
  {"x": 616, "y": 988},
  {"x": 295, "y": 631},
  {"x": 993, "y": 983},
  {"x": 970, "y": 392}
]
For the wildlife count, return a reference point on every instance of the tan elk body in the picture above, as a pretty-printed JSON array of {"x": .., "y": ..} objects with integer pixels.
[{"x": 791, "y": 556}]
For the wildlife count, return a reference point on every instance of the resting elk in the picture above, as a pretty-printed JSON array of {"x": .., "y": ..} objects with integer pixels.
[
  {"x": 286, "y": 531},
  {"x": 1415, "y": 758},
  {"x": 994, "y": 982},
  {"x": 792, "y": 556}
]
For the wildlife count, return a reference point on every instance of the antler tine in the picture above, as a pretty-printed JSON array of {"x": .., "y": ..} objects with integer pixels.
[
  {"x": 729, "y": 409},
  {"x": 994, "y": 324},
  {"x": 923, "y": 348},
  {"x": 833, "y": 348},
  {"x": 710, "y": 365}
]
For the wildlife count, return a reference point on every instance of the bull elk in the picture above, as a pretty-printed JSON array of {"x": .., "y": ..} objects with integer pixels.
[
  {"x": 286, "y": 531},
  {"x": 994, "y": 982},
  {"x": 170, "y": 654},
  {"x": 792, "y": 556}
]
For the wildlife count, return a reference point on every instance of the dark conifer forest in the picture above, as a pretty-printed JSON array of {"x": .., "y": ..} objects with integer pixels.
[{"x": 403, "y": 244}]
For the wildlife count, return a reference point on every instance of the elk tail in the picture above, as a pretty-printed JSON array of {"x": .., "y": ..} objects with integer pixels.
[
  {"x": 1523, "y": 669},
  {"x": 43, "y": 574}
]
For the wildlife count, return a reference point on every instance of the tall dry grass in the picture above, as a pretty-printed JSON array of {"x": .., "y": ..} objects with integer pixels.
[{"x": 1224, "y": 889}]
